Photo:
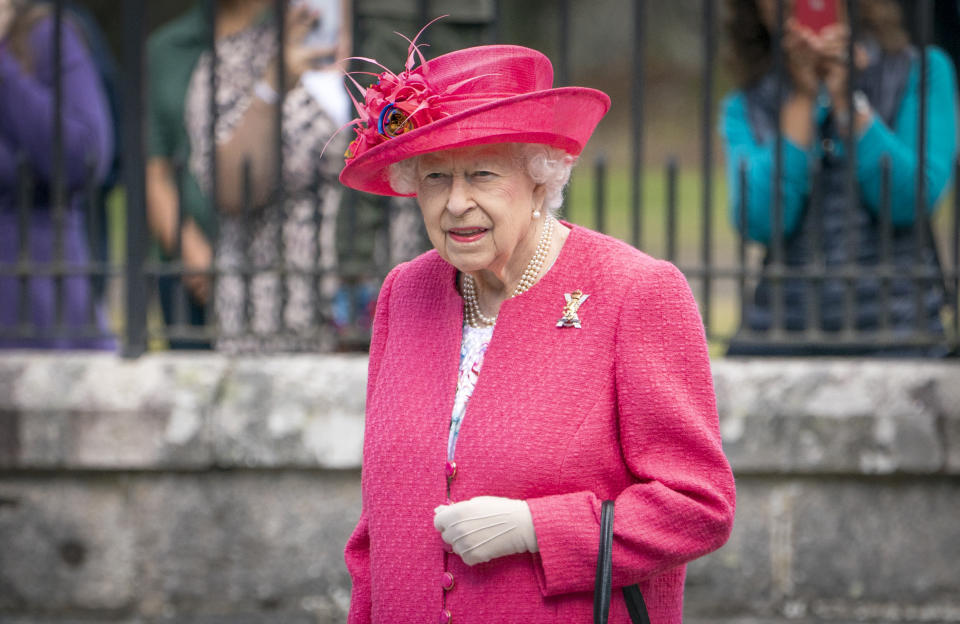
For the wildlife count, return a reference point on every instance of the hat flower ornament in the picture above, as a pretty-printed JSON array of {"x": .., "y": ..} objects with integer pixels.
[
  {"x": 481, "y": 95},
  {"x": 397, "y": 103}
]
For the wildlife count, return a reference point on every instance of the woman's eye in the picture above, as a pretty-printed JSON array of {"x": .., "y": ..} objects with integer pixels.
[
  {"x": 434, "y": 175},
  {"x": 483, "y": 174}
]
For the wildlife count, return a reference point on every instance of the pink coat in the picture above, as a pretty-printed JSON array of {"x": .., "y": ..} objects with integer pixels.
[{"x": 622, "y": 408}]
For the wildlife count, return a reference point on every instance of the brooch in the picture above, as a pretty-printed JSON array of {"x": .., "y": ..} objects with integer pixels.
[{"x": 574, "y": 301}]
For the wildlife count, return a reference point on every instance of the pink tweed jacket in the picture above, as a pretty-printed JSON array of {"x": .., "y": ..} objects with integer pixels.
[{"x": 622, "y": 408}]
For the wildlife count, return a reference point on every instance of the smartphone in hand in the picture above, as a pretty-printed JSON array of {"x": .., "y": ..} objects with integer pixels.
[
  {"x": 815, "y": 14},
  {"x": 325, "y": 83},
  {"x": 327, "y": 29}
]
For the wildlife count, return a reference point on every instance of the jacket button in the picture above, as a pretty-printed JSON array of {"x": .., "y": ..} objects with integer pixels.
[
  {"x": 451, "y": 469},
  {"x": 445, "y": 616},
  {"x": 447, "y": 581}
]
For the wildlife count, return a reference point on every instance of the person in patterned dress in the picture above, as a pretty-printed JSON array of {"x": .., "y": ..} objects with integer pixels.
[{"x": 275, "y": 256}]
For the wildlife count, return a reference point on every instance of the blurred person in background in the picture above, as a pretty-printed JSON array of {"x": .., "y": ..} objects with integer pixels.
[
  {"x": 95, "y": 40},
  {"x": 172, "y": 54},
  {"x": 276, "y": 313},
  {"x": 27, "y": 108},
  {"x": 815, "y": 116}
]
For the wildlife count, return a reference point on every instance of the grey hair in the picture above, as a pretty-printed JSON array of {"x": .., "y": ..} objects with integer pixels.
[{"x": 546, "y": 165}]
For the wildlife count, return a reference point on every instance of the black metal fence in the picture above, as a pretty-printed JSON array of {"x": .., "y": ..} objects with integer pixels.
[
  {"x": 776, "y": 274},
  {"x": 341, "y": 293}
]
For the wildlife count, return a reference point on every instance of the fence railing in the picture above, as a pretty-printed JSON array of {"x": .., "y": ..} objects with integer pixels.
[{"x": 338, "y": 294}]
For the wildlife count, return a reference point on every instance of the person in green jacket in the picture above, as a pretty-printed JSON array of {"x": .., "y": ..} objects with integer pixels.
[{"x": 172, "y": 54}]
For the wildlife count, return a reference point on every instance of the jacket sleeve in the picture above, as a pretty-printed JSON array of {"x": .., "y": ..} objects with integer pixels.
[
  {"x": 681, "y": 504},
  {"x": 357, "y": 551},
  {"x": 161, "y": 123},
  {"x": 742, "y": 148},
  {"x": 900, "y": 143},
  {"x": 357, "y": 557}
]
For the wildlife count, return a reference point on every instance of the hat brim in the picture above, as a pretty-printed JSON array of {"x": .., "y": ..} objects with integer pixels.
[{"x": 564, "y": 117}]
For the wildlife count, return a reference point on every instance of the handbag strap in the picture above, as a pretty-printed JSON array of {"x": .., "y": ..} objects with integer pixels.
[
  {"x": 603, "y": 584},
  {"x": 636, "y": 607}
]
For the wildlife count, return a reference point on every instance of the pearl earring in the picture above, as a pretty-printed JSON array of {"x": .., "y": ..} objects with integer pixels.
[{"x": 536, "y": 214}]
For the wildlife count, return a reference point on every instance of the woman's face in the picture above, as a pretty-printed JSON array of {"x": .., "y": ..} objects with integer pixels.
[{"x": 477, "y": 205}]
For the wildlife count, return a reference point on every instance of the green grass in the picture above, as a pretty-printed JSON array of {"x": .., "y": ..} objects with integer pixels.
[{"x": 689, "y": 223}]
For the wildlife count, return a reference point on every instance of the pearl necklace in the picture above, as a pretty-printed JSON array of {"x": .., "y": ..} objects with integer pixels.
[{"x": 476, "y": 318}]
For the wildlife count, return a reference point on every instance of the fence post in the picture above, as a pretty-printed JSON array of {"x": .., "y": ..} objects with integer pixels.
[
  {"x": 133, "y": 179},
  {"x": 886, "y": 244},
  {"x": 279, "y": 195},
  {"x": 25, "y": 192},
  {"x": 59, "y": 186},
  {"x": 955, "y": 268},
  {"x": 776, "y": 233},
  {"x": 671, "y": 226},
  {"x": 600, "y": 191},
  {"x": 563, "y": 51},
  {"x": 636, "y": 106},
  {"x": 709, "y": 52},
  {"x": 924, "y": 10},
  {"x": 852, "y": 268},
  {"x": 742, "y": 241}
]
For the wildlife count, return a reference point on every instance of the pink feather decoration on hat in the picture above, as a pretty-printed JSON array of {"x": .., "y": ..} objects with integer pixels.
[{"x": 396, "y": 103}]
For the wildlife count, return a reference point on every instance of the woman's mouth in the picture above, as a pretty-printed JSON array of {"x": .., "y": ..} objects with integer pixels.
[{"x": 466, "y": 235}]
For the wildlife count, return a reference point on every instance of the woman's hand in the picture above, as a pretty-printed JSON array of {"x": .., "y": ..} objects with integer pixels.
[
  {"x": 298, "y": 57},
  {"x": 486, "y": 527},
  {"x": 197, "y": 255},
  {"x": 800, "y": 47},
  {"x": 832, "y": 60},
  {"x": 832, "y": 48}
]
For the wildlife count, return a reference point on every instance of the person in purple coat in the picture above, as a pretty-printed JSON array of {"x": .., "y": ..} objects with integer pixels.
[{"x": 44, "y": 311}]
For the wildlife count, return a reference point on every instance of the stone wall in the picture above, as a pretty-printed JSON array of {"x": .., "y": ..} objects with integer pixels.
[{"x": 200, "y": 489}]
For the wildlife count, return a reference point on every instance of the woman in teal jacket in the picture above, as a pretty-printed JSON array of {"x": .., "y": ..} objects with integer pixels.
[{"x": 814, "y": 116}]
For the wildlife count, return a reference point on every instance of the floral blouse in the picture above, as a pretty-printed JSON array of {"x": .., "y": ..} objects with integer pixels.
[{"x": 473, "y": 347}]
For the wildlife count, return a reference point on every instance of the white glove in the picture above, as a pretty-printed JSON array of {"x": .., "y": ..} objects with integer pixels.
[{"x": 486, "y": 527}]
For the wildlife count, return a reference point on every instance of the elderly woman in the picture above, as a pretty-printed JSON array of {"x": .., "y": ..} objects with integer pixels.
[{"x": 523, "y": 371}]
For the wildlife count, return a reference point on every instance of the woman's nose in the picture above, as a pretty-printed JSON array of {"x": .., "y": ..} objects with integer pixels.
[{"x": 460, "y": 199}]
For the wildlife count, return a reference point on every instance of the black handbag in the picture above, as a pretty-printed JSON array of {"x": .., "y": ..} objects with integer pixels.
[{"x": 601, "y": 589}]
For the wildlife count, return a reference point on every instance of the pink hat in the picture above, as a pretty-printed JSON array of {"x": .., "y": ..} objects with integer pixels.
[{"x": 487, "y": 94}]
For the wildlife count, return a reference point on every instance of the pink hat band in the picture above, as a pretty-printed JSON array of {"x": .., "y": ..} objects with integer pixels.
[{"x": 487, "y": 94}]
